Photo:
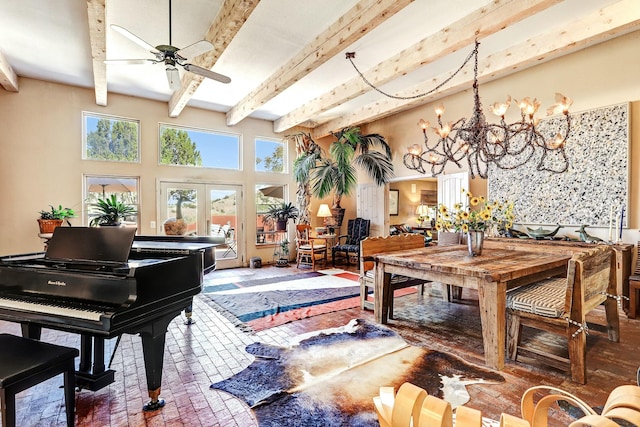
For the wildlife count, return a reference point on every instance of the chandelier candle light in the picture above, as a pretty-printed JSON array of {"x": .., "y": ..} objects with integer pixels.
[{"x": 505, "y": 145}]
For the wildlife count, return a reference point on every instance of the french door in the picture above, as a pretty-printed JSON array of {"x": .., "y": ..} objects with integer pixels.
[{"x": 206, "y": 209}]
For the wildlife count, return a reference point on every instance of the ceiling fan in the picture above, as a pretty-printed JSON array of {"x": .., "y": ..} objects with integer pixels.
[{"x": 171, "y": 56}]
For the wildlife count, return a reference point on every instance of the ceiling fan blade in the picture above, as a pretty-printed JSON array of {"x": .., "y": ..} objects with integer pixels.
[
  {"x": 128, "y": 61},
  {"x": 173, "y": 77},
  {"x": 137, "y": 40},
  {"x": 207, "y": 73},
  {"x": 196, "y": 49}
]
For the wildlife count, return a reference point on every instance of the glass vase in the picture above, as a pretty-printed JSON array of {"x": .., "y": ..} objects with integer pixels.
[{"x": 475, "y": 239}]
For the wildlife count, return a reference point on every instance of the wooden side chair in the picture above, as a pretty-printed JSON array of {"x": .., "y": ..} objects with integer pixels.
[
  {"x": 309, "y": 250},
  {"x": 560, "y": 305},
  {"x": 375, "y": 245},
  {"x": 349, "y": 244}
]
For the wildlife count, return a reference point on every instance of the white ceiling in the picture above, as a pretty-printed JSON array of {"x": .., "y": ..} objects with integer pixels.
[{"x": 51, "y": 40}]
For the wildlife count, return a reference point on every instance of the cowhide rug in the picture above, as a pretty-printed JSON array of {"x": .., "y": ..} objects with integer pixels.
[{"x": 329, "y": 378}]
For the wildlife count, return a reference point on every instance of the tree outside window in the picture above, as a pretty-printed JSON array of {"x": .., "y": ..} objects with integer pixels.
[
  {"x": 111, "y": 138},
  {"x": 270, "y": 155}
]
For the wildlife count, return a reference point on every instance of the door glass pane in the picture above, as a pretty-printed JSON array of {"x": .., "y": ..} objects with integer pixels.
[
  {"x": 266, "y": 196},
  {"x": 224, "y": 220},
  {"x": 182, "y": 211}
]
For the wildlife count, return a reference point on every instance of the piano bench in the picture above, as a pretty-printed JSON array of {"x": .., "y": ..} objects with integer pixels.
[{"x": 24, "y": 363}]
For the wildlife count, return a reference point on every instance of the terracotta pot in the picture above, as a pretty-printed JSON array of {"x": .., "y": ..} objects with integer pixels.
[{"x": 48, "y": 225}]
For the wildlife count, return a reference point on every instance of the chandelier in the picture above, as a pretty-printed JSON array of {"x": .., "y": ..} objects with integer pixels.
[{"x": 480, "y": 144}]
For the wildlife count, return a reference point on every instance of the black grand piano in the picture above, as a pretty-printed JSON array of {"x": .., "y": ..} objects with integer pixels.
[{"x": 98, "y": 282}]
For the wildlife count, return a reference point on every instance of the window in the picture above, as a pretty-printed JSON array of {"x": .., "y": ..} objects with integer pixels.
[
  {"x": 196, "y": 147},
  {"x": 100, "y": 187},
  {"x": 267, "y": 195},
  {"x": 110, "y": 138},
  {"x": 270, "y": 155}
]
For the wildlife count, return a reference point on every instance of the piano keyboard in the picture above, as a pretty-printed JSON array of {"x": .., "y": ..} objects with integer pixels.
[{"x": 58, "y": 310}]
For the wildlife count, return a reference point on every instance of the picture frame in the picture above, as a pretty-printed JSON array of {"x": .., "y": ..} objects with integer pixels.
[{"x": 393, "y": 202}]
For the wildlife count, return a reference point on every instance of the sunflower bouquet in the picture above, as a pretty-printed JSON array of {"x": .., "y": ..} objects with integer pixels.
[{"x": 476, "y": 215}]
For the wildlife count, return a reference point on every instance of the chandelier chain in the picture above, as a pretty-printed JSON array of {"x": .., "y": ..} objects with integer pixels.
[{"x": 473, "y": 53}]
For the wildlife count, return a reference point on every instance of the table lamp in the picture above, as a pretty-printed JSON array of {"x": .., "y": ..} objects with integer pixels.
[
  {"x": 324, "y": 212},
  {"x": 422, "y": 211}
]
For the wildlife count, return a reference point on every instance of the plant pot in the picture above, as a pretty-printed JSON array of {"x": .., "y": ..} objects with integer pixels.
[
  {"x": 338, "y": 215},
  {"x": 281, "y": 225},
  {"x": 48, "y": 225}
]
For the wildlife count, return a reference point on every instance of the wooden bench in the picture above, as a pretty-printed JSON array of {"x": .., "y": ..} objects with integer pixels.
[
  {"x": 24, "y": 363},
  {"x": 372, "y": 246}
]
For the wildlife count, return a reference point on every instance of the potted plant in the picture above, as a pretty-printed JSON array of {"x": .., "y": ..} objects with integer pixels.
[
  {"x": 110, "y": 211},
  {"x": 283, "y": 254},
  {"x": 50, "y": 219},
  {"x": 280, "y": 214},
  {"x": 337, "y": 172}
]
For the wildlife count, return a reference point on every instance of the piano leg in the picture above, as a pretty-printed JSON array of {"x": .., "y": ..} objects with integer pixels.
[
  {"x": 153, "y": 339},
  {"x": 30, "y": 330},
  {"x": 188, "y": 312}
]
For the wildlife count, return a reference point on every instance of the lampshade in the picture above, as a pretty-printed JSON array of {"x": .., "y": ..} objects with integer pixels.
[
  {"x": 324, "y": 211},
  {"x": 422, "y": 210}
]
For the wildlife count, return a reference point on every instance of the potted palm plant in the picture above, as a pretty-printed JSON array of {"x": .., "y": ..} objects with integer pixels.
[
  {"x": 111, "y": 211},
  {"x": 280, "y": 214},
  {"x": 337, "y": 172},
  {"x": 54, "y": 217}
]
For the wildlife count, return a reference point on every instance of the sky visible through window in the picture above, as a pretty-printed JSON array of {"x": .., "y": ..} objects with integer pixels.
[{"x": 218, "y": 150}]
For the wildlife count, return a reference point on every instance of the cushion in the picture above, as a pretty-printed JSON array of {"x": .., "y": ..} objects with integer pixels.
[
  {"x": 347, "y": 248},
  {"x": 395, "y": 278},
  {"x": 308, "y": 247},
  {"x": 545, "y": 298}
]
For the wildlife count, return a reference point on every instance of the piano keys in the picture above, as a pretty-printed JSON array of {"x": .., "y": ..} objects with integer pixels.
[{"x": 99, "y": 283}]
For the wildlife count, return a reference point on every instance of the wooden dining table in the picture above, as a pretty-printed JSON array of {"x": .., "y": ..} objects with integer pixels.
[{"x": 492, "y": 273}]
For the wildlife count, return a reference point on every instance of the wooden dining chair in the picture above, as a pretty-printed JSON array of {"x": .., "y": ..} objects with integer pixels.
[
  {"x": 560, "y": 305},
  {"x": 309, "y": 250}
]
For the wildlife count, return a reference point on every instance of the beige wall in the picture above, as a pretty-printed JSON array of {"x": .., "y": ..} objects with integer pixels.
[
  {"x": 40, "y": 162},
  {"x": 602, "y": 75}
]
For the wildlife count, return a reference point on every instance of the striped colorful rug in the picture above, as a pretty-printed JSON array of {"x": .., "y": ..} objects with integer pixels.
[{"x": 255, "y": 305}]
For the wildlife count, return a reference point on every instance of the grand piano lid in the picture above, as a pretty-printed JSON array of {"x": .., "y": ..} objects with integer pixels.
[{"x": 105, "y": 244}]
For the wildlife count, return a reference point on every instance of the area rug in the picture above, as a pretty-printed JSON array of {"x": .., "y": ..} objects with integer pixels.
[
  {"x": 329, "y": 378},
  {"x": 255, "y": 305}
]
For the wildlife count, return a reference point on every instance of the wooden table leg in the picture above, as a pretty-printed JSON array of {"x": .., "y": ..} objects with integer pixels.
[
  {"x": 381, "y": 290},
  {"x": 493, "y": 300}
]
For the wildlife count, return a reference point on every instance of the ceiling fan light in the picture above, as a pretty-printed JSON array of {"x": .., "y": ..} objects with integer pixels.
[{"x": 173, "y": 77}]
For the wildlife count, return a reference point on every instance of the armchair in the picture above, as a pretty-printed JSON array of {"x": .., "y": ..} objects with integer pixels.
[{"x": 349, "y": 244}]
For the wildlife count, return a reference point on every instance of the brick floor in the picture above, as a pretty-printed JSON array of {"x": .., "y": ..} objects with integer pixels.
[{"x": 212, "y": 349}]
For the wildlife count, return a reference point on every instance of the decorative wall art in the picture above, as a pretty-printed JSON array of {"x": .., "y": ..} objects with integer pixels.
[
  {"x": 393, "y": 202},
  {"x": 593, "y": 191}
]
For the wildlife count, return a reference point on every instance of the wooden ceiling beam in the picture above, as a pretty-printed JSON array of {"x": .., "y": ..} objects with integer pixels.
[
  {"x": 353, "y": 25},
  {"x": 477, "y": 25},
  {"x": 8, "y": 77},
  {"x": 607, "y": 23},
  {"x": 225, "y": 26},
  {"x": 97, "y": 39}
]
